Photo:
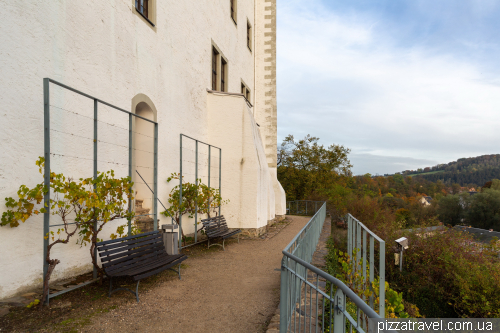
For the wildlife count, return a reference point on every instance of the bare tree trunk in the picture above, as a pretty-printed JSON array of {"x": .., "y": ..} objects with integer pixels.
[{"x": 52, "y": 264}]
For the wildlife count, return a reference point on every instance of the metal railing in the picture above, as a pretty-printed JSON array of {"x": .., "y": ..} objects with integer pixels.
[
  {"x": 358, "y": 235},
  {"x": 303, "y": 207},
  {"x": 304, "y": 305}
]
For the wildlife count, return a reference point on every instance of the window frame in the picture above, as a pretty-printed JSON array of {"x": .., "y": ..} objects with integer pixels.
[
  {"x": 219, "y": 70},
  {"x": 215, "y": 60},
  {"x": 245, "y": 91},
  {"x": 249, "y": 35},
  {"x": 233, "y": 8},
  {"x": 150, "y": 12},
  {"x": 223, "y": 74}
]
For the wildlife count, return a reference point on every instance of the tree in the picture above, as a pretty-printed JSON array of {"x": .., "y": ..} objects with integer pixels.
[
  {"x": 484, "y": 211},
  {"x": 196, "y": 198},
  {"x": 305, "y": 166},
  {"x": 451, "y": 208},
  {"x": 90, "y": 203}
]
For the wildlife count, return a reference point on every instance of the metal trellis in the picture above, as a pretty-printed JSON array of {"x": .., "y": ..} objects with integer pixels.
[{"x": 95, "y": 119}]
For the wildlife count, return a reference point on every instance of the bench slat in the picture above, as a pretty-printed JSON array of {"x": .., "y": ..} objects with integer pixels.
[
  {"x": 152, "y": 264},
  {"x": 132, "y": 256},
  {"x": 125, "y": 238},
  {"x": 130, "y": 247},
  {"x": 139, "y": 262},
  {"x": 127, "y": 242},
  {"x": 139, "y": 255},
  {"x": 173, "y": 263},
  {"x": 126, "y": 253}
]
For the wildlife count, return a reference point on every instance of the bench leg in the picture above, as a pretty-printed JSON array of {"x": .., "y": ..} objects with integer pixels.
[
  {"x": 223, "y": 248},
  {"x": 177, "y": 271},
  {"x": 238, "y": 238},
  {"x": 136, "y": 293},
  {"x": 110, "y": 286},
  {"x": 215, "y": 244}
]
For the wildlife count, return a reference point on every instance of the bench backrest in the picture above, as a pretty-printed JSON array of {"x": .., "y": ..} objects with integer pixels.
[
  {"x": 118, "y": 254},
  {"x": 215, "y": 225}
]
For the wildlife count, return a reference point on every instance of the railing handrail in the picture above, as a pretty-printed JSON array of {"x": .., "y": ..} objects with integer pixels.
[
  {"x": 347, "y": 291},
  {"x": 366, "y": 228},
  {"x": 305, "y": 228}
]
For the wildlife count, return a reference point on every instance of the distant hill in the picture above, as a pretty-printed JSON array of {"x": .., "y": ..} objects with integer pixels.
[{"x": 465, "y": 171}]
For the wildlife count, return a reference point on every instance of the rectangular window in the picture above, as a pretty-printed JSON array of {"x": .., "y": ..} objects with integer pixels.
[
  {"x": 223, "y": 73},
  {"x": 233, "y": 10},
  {"x": 214, "y": 68},
  {"x": 249, "y": 36},
  {"x": 142, "y": 7},
  {"x": 245, "y": 91}
]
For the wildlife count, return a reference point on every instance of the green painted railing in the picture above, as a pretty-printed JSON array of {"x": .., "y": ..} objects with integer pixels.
[
  {"x": 303, "y": 207},
  {"x": 358, "y": 238},
  {"x": 304, "y": 305}
]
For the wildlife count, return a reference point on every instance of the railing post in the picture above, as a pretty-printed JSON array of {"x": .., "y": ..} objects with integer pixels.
[
  {"x": 46, "y": 177},
  {"x": 130, "y": 152},
  {"x": 197, "y": 192},
  {"x": 358, "y": 245},
  {"x": 180, "y": 195},
  {"x": 372, "y": 268},
  {"x": 338, "y": 315},
  {"x": 364, "y": 254},
  {"x": 284, "y": 296},
  {"x": 94, "y": 271},
  {"x": 381, "y": 307},
  {"x": 155, "y": 177}
]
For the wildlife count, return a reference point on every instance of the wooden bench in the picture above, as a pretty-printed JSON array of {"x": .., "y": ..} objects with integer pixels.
[
  {"x": 216, "y": 227},
  {"x": 137, "y": 256}
]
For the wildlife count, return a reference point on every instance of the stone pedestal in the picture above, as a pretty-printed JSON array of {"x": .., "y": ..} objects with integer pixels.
[{"x": 144, "y": 223}]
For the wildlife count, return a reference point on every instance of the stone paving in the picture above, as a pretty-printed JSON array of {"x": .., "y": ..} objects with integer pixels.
[{"x": 305, "y": 312}]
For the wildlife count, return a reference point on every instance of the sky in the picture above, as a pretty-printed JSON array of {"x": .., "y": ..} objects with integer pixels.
[{"x": 403, "y": 84}]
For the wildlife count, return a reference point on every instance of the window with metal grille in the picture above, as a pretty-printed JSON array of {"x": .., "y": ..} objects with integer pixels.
[
  {"x": 223, "y": 71},
  {"x": 142, "y": 7}
]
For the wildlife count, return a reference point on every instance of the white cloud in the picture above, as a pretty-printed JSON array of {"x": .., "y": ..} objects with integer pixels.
[{"x": 341, "y": 79}]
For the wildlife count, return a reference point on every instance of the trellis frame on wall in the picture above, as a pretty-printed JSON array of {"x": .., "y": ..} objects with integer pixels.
[
  {"x": 197, "y": 142},
  {"x": 47, "y": 155}
]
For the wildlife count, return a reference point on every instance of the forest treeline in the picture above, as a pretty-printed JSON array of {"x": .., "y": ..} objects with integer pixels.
[
  {"x": 465, "y": 171},
  {"x": 444, "y": 275}
]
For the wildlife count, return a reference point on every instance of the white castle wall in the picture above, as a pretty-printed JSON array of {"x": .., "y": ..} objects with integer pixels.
[{"x": 107, "y": 50}]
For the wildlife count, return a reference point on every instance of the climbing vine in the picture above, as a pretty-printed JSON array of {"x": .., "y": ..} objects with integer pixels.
[{"x": 84, "y": 206}]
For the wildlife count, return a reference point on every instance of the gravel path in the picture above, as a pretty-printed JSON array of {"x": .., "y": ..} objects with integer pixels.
[{"x": 236, "y": 290}]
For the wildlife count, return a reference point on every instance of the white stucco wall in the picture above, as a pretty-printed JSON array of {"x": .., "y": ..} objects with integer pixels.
[
  {"x": 246, "y": 179},
  {"x": 105, "y": 49}
]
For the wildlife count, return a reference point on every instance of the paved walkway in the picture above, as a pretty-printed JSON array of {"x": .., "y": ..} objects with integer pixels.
[
  {"x": 308, "y": 302},
  {"x": 236, "y": 290}
]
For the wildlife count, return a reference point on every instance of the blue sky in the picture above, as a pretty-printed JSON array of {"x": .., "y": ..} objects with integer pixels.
[{"x": 403, "y": 84}]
